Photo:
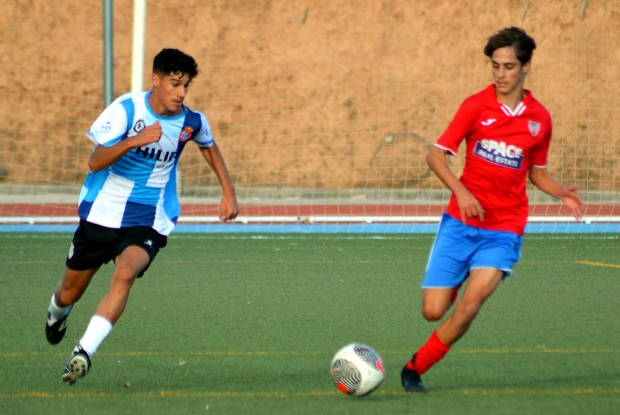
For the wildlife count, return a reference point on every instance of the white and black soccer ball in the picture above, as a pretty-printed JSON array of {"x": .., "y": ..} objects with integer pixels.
[{"x": 357, "y": 369}]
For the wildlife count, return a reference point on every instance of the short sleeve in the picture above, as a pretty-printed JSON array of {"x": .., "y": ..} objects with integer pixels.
[
  {"x": 204, "y": 137},
  {"x": 541, "y": 150},
  {"x": 458, "y": 129},
  {"x": 111, "y": 126}
]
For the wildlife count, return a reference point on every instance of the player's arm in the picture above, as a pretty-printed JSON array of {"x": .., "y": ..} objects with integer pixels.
[
  {"x": 103, "y": 157},
  {"x": 541, "y": 178},
  {"x": 468, "y": 204},
  {"x": 229, "y": 208}
]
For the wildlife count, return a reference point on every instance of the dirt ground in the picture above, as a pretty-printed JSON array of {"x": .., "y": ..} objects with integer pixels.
[{"x": 310, "y": 94}]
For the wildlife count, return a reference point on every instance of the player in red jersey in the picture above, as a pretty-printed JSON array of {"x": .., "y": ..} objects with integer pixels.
[{"x": 507, "y": 134}]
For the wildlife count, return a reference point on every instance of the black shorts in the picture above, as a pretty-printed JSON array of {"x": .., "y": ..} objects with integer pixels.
[{"x": 94, "y": 245}]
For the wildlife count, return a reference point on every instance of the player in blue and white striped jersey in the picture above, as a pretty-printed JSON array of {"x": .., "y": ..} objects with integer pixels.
[
  {"x": 128, "y": 203},
  {"x": 132, "y": 191}
]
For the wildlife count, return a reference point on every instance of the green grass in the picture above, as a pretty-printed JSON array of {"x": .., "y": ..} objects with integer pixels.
[{"x": 247, "y": 324}]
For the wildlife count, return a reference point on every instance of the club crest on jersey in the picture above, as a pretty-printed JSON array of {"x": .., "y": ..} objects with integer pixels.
[
  {"x": 534, "y": 127},
  {"x": 138, "y": 126},
  {"x": 499, "y": 153},
  {"x": 186, "y": 134}
]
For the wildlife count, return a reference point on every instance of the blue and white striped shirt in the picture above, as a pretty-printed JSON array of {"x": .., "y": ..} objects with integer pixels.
[{"x": 140, "y": 188}]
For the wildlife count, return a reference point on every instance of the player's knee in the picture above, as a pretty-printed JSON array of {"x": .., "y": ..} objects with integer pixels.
[
  {"x": 467, "y": 311},
  {"x": 432, "y": 313},
  {"x": 124, "y": 277}
]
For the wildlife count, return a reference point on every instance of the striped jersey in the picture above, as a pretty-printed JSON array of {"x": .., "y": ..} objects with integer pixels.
[
  {"x": 140, "y": 188},
  {"x": 501, "y": 145}
]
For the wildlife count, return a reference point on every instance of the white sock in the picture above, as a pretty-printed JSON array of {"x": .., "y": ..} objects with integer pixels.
[
  {"x": 56, "y": 312},
  {"x": 97, "y": 330}
]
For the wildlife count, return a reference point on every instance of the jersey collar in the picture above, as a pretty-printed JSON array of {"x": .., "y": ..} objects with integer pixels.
[
  {"x": 161, "y": 117},
  {"x": 519, "y": 109}
]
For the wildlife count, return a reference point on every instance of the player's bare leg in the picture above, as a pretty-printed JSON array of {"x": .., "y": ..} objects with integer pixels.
[
  {"x": 129, "y": 264},
  {"x": 68, "y": 291},
  {"x": 482, "y": 283},
  {"x": 73, "y": 285},
  {"x": 435, "y": 302}
]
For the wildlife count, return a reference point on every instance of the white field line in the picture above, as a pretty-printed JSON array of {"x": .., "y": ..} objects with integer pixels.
[{"x": 32, "y": 220}]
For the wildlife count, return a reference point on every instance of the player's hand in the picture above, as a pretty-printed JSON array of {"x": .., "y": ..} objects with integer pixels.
[
  {"x": 573, "y": 201},
  {"x": 469, "y": 206},
  {"x": 229, "y": 208},
  {"x": 149, "y": 135}
]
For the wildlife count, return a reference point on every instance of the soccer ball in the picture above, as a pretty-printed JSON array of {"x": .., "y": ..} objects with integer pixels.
[{"x": 357, "y": 369}]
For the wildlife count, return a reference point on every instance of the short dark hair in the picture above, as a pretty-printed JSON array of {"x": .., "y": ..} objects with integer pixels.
[
  {"x": 174, "y": 61},
  {"x": 516, "y": 37}
]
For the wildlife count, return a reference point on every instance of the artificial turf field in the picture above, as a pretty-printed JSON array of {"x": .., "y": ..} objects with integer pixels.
[{"x": 248, "y": 324}]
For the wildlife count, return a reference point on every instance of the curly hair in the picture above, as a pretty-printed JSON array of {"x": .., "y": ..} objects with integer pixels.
[
  {"x": 516, "y": 37},
  {"x": 174, "y": 61}
]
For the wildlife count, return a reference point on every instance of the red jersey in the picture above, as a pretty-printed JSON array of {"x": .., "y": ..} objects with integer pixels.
[{"x": 502, "y": 144}]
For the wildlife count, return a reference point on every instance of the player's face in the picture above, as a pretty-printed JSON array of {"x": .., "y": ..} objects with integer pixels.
[
  {"x": 508, "y": 72},
  {"x": 169, "y": 91}
]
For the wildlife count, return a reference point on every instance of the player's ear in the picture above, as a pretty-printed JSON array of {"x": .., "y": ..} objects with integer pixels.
[
  {"x": 156, "y": 80},
  {"x": 527, "y": 66}
]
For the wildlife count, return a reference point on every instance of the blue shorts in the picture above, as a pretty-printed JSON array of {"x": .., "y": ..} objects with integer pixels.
[{"x": 458, "y": 248}]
